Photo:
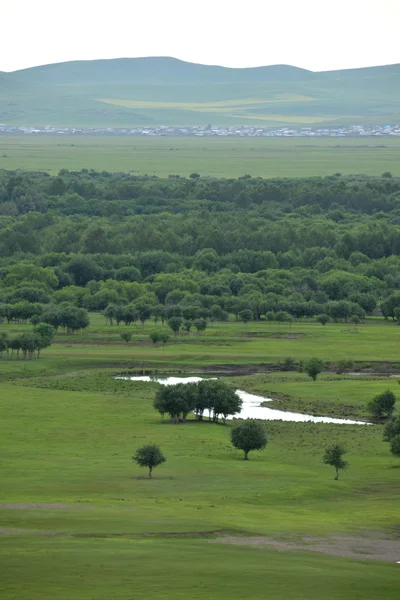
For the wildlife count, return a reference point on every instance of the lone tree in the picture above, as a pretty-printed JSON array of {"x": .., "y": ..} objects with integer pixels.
[
  {"x": 249, "y": 435},
  {"x": 314, "y": 367},
  {"x": 323, "y": 319},
  {"x": 334, "y": 456},
  {"x": 382, "y": 405},
  {"x": 149, "y": 456}
]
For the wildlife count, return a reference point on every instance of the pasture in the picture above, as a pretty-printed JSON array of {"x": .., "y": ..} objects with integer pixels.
[
  {"x": 80, "y": 520},
  {"x": 216, "y": 157}
]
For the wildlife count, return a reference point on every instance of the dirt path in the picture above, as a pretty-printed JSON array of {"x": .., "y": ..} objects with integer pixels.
[{"x": 380, "y": 547}]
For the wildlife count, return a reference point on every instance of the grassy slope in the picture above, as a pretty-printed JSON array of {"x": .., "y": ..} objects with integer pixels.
[
  {"x": 68, "y": 439},
  {"x": 75, "y": 447},
  {"x": 73, "y": 94},
  {"x": 214, "y": 157}
]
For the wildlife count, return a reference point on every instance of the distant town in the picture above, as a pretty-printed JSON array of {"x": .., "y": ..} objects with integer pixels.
[{"x": 351, "y": 131}]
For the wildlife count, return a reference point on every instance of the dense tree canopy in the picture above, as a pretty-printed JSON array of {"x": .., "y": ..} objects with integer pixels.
[{"x": 199, "y": 248}]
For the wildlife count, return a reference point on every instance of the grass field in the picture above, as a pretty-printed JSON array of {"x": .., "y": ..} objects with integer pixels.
[
  {"x": 79, "y": 520},
  {"x": 291, "y": 157}
]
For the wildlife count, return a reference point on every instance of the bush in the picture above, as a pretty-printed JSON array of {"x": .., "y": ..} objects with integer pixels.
[
  {"x": 126, "y": 336},
  {"x": 288, "y": 364},
  {"x": 344, "y": 365}
]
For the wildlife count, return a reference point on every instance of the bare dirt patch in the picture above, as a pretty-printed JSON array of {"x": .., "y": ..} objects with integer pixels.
[
  {"x": 384, "y": 548},
  {"x": 48, "y": 506}
]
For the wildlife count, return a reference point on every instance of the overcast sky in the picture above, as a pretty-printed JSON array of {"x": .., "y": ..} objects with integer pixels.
[{"x": 314, "y": 34}]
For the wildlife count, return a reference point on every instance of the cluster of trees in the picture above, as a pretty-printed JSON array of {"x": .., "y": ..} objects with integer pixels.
[
  {"x": 28, "y": 344},
  {"x": 199, "y": 248},
  {"x": 213, "y": 395}
]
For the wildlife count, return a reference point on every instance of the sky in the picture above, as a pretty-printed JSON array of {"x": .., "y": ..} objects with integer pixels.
[{"x": 313, "y": 34}]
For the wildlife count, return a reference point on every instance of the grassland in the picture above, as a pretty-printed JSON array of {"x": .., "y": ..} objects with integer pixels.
[
  {"x": 208, "y": 156},
  {"x": 80, "y": 521}
]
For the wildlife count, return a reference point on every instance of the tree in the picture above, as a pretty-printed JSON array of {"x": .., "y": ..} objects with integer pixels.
[
  {"x": 175, "y": 323},
  {"x": 382, "y": 405},
  {"x": 187, "y": 325},
  {"x": 144, "y": 314},
  {"x": 249, "y": 435},
  {"x": 245, "y": 315},
  {"x": 84, "y": 269},
  {"x": 288, "y": 364},
  {"x": 3, "y": 345},
  {"x": 218, "y": 397},
  {"x": 154, "y": 336},
  {"x": 314, "y": 367},
  {"x": 200, "y": 324},
  {"x": 176, "y": 400},
  {"x": 28, "y": 344},
  {"x": 73, "y": 318},
  {"x": 149, "y": 456},
  {"x": 334, "y": 456},
  {"x": 391, "y": 429},
  {"x": 323, "y": 319},
  {"x": 44, "y": 334},
  {"x": 395, "y": 445},
  {"x": 163, "y": 337},
  {"x": 126, "y": 336}
]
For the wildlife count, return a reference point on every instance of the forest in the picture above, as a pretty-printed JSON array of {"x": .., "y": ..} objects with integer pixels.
[{"x": 141, "y": 247}]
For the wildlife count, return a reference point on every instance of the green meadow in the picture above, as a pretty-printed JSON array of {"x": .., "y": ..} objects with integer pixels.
[
  {"x": 79, "y": 520},
  {"x": 216, "y": 157}
]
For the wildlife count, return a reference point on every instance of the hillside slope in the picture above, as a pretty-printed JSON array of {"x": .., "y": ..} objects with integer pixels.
[{"x": 128, "y": 92}]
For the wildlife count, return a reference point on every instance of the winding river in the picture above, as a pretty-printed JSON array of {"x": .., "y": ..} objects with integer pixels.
[{"x": 251, "y": 408}]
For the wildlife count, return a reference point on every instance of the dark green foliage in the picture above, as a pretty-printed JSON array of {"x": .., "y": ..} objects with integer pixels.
[
  {"x": 314, "y": 367},
  {"x": 334, "y": 457},
  {"x": 181, "y": 399},
  {"x": 149, "y": 456},
  {"x": 154, "y": 336},
  {"x": 199, "y": 249},
  {"x": 126, "y": 336},
  {"x": 392, "y": 429},
  {"x": 249, "y": 435},
  {"x": 382, "y": 405},
  {"x": 323, "y": 319},
  {"x": 395, "y": 445},
  {"x": 245, "y": 315},
  {"x": 288, "y": 364},
  {"x": 175, "y": 323},
  {"x": 200, "y": 324}
]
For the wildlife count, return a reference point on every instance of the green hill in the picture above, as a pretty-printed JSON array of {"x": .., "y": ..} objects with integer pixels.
[{"x": 128, "y": 92}]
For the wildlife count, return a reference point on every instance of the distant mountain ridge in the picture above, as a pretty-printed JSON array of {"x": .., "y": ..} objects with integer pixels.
[
  {"x": 126, "y": 92},
  {"x": 155, "y": 70}
]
